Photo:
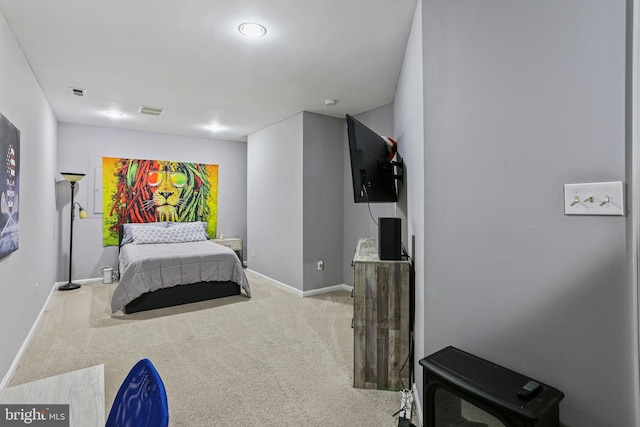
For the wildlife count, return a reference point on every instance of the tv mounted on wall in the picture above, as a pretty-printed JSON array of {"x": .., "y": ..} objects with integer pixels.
[{"x": 375, "y": 171}]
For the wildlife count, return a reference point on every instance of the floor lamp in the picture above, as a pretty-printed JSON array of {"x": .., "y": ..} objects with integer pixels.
[{"x": 72, "y": 178}]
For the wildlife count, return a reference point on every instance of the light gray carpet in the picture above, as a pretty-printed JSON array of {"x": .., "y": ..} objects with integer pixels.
[{"x": 272, "y": 360}]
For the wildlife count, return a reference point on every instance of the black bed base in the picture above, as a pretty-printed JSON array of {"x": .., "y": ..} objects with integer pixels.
[{"x": 183, "y": 294}]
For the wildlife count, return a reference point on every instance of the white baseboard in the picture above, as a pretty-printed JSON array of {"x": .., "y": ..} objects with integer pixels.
[
  {"x": 341, "y": 287},
  {"x": 418, "y": 404},
  {"x": 27, "y": 340},
  {"x": 300, "y": 293},
  {"x": 278, "y": 284}
]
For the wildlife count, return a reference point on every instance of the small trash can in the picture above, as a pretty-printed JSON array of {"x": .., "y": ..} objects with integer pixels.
[{"x": 107, "y": 274}]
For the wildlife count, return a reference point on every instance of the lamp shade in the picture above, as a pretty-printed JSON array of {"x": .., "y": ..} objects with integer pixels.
[
  {"x": 72, "y": 176},
  {"x": 83, "y": 214}
]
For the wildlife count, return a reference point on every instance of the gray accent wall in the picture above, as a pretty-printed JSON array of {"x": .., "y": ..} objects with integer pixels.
[
  {"x": 81, "y": 149},
  {"x": 295, "y": 215},
  {"x": 28, "y": 274},
  {"x": 519, "y": 99},
  {"x": 322, "y": 198},
  {"x": 300, "y": 200}
]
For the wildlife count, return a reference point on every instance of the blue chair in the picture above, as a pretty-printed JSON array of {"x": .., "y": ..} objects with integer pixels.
[{"x": 141, "y": 400}]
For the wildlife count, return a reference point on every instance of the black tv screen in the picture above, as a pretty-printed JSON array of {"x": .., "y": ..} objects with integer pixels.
[{"x": 372, "y": 170}]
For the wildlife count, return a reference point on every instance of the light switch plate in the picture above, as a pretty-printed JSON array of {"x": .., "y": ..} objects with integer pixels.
[{"x": 596, "y": 198}]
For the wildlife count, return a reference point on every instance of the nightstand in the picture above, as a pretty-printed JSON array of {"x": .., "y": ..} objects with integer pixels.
[{"x": 233, "y": 243}]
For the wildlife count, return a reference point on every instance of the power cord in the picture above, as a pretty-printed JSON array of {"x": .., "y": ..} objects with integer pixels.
[
  {"x": 406, "y": 253},
  {"x": 405, "y": 395},
  {"x": 409, "y": 357},
  {"x": 364, "y": 188}
]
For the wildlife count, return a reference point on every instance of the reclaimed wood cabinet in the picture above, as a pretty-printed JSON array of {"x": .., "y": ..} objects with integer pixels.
[{"x": 381, "y": 308}]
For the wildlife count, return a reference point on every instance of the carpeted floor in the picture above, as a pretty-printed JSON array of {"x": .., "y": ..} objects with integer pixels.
[{"x": 272, "y": 360}]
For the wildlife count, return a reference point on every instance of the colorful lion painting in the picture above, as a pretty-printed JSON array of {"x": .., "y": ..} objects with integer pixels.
[{"x": 137, "y": 191}]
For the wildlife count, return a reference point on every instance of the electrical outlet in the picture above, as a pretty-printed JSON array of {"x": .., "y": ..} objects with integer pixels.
[
  {"x": 253, "y": 252},
  {"x": 406, "y": 402},
  {"x": 320, "y": 265}
]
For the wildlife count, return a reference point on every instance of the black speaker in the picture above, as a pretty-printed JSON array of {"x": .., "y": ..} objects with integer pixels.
[{"x": 389, "y": 241}]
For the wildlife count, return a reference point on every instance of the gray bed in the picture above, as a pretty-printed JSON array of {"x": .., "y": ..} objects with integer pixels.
[{"x": 154, "y": 275}]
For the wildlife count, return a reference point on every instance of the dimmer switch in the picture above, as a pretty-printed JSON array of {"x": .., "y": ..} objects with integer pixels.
[{"x": 596, "y": 198}]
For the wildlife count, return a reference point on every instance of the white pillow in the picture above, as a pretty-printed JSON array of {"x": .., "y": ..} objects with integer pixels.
[{"x": 179, "y": 233}]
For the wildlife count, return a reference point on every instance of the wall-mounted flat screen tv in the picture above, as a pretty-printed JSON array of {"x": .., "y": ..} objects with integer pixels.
[{"x": 375, "y": 174}]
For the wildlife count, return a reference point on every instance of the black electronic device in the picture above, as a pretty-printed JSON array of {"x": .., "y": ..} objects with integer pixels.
[
  {"x": 452, "y": 375},
  {"x": 389, "y": 239},
  {"x": 529, "y": 390},
  {"x": 375, "y": 174},
  {"x": 404, "y": 422}
]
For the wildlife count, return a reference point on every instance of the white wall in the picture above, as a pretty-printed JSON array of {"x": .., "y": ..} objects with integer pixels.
[
  {"x": 81, "y": 149},
  {"x": 23, "y": 103},
  {"x": 519, "y": 99},
  {"x": 275, "y": 201},
  {"x": 409, "y": 131}
]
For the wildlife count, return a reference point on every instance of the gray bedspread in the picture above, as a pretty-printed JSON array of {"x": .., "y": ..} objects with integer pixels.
[{"x": 146, "y": 268}]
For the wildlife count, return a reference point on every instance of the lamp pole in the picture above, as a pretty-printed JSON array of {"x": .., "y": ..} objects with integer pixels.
[{"x": 70, "y": 285}]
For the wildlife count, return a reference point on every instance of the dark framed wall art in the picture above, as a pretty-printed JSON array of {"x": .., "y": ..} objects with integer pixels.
[{"x": 9, "y": 186}]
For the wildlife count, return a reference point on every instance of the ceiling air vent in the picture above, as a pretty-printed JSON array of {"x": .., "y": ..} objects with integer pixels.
[
  {"x": 151, "y": 111},
  {"x": 78, "y": 92}
]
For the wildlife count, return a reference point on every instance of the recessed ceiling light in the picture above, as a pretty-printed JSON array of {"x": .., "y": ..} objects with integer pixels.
[
  {"x": 114, "y": 114},
  {"x": 251, "y": 29},
  {"x": 215, "y": 127}
]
